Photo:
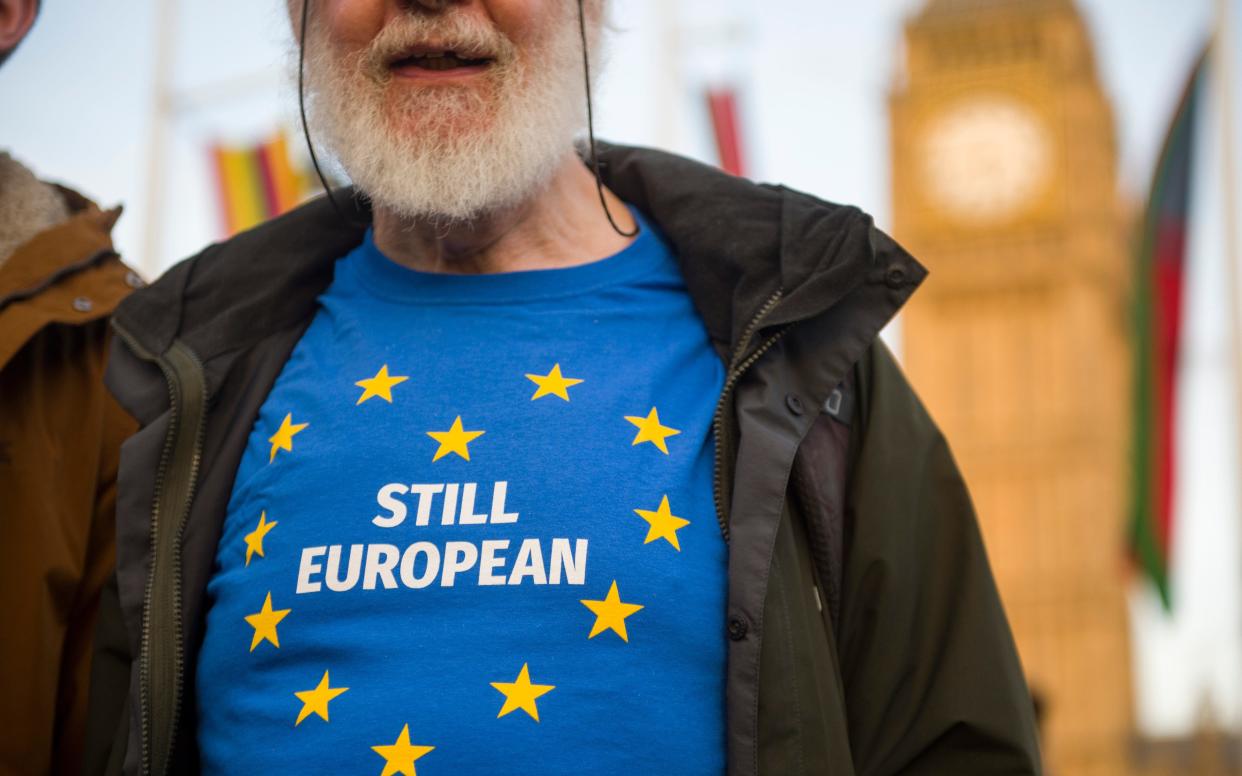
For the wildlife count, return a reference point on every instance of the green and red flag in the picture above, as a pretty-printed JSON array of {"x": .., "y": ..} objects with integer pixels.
[{"x": 1159, "y": 292}]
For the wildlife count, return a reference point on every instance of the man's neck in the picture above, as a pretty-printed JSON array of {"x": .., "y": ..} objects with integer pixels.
[{"x": 560, "y": 226}]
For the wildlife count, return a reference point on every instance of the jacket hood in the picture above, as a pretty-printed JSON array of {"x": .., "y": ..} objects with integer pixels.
[
  {"x": 27, "y": 205},
  {"x": 738, "y": 243}
]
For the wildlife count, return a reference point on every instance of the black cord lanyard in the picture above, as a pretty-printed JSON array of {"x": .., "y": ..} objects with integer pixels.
[{"x": 599, "y": 184}]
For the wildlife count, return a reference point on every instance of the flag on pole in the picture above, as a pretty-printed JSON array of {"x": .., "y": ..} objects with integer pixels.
[
  {"x": 1159, "y": 284},
  {"x": 255, "y": 183},
  {"x": 722, "y": 103}
]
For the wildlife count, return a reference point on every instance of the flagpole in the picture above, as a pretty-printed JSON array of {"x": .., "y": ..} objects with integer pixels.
[
  {"x": 157, "y": 141},
  {"x": 1223, "y": 61},
  {"x": 670, "y": 87}
]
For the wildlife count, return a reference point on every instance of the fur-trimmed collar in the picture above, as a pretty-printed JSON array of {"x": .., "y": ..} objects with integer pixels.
[{"x": 28, "y": 206}]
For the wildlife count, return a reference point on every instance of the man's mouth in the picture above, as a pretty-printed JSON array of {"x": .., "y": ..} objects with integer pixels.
[{"x": 432, "y": 60}]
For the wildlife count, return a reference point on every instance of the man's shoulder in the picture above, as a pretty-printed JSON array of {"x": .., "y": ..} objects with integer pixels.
[
  {"x": 739, "y": 242},
  {"x": 66, "y": 273},
  {"x": 669, "y": 181},
  {"x": 315, "y": 230},
  {"x": 263, "y": 277}
]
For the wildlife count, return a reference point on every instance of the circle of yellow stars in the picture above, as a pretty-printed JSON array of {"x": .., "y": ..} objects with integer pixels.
[{"x": 522, "y": 694}]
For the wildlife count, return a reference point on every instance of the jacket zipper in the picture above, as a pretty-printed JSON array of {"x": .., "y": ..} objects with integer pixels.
[
  {"x": 160, "y": 659},
  {"x": 738, "y": 364}
]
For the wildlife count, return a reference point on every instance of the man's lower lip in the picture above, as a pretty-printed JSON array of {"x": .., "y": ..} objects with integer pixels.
[{"x": 414, "y": 72}]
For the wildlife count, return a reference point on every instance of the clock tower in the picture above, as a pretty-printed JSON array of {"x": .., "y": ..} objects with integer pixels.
[{"x": 1004, "y": 185}]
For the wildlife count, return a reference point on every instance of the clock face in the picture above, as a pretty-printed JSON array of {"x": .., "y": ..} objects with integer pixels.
[{"x": 985, "y": 158}]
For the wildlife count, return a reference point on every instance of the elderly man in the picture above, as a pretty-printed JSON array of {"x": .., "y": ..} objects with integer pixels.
[{"x": 480, "y": 468}]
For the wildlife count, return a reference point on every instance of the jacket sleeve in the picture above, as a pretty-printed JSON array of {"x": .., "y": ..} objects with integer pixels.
[{"x": 932, "y": 678}]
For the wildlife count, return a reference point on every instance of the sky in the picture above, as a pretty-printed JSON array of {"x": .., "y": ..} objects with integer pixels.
[{"x": 79, "y": 98}]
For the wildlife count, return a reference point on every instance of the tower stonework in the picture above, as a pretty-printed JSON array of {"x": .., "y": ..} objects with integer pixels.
[{"x": 1004, "y": 185}]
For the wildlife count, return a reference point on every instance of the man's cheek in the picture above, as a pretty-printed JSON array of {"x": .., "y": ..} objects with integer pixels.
[
  {"x": 530, "y": 22},
  {"x": 350, "y": 24}
]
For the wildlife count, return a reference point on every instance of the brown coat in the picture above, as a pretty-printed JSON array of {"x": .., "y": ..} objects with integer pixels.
[{"x": 60, "y": 436}]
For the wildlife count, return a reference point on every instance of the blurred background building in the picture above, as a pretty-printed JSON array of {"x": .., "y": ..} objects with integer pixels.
[
  {"x": 1009, "y": 144},
  {"x": 1004, "y": 183}
]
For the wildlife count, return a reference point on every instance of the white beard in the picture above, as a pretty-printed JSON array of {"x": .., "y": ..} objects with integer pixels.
[{"x": 449, "y": 153}]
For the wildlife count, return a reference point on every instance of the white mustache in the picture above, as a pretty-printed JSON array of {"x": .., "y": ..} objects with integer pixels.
[{"x": 453, "y": 32}]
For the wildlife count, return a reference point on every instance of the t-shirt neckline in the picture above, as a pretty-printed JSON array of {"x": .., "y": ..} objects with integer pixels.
[{"x": 385, "y": 277}]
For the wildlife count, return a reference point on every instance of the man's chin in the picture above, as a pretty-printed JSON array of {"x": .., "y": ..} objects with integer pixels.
[
  {"x": 443, "y": 175},
  {"x": 422, "y": 125},
  {"x": 431, "y": 135},
  {"x": 438, "y": 210}
]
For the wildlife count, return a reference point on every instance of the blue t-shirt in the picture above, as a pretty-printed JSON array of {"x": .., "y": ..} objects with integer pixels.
[{"x": 473, "y": 532}]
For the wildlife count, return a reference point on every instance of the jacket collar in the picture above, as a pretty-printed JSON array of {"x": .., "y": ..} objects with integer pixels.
[
  {"x": 27, "y": 205},
  {"x": 65, "y": 274},
  {"x": 738, "y": 243},
  {"x": 51, "y": 253}
]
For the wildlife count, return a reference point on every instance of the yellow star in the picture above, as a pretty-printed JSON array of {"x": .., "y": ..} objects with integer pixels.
[
  {"x": 283, "y": 439},
  {"x": 316, "y": 701},
  {"x": 521, "y": 694},
  {"x": 610, "y": 614},
  {"x": 650, "y": 430},
  {"x": 663, "y": 524},
  {"x": 264, "y": 623},
  {"x": 380, "y": 385},
  {"x": 400, "y": 755},
  {"x": 454, "y": 440},
  {"x": 254, "y": 539},
  {"x": 552, "y": 384}
]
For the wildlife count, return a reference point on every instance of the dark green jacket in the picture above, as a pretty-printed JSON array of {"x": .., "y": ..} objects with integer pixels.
[{"x": 864, "y": 631}]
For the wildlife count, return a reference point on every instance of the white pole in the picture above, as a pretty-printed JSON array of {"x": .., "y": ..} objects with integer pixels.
[
  {"x": 671, "y": 85},
  {"x": 161, "y": 100},
  {"x": 1222, "y": 52}
]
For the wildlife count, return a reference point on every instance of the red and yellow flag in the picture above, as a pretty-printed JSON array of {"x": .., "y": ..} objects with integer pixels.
[{"x": 255, "y": 183}]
